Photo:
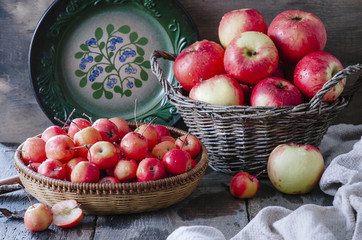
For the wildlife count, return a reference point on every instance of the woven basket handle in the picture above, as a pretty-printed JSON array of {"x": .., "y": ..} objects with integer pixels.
[
  {"x": 156, "y": 69},
  {"x": 316, "y": 101}
]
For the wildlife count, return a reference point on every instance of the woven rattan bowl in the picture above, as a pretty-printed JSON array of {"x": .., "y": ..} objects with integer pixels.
[
  {"x": 240, "y": 138},
  {"x": 120, "y": 198}
]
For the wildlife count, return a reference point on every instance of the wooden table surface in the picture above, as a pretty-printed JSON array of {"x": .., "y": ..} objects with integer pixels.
[{"x": 210, "y": 204}]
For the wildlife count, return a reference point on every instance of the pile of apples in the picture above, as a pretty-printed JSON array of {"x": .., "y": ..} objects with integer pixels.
[
  {"x": 108, "y": 151},
  {"x": 282, "y": 64}
]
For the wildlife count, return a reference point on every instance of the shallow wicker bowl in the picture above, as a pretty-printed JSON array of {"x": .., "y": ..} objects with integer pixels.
[
  {"x": 240, "y": 138},
  {"x": 120, "y": 198}
]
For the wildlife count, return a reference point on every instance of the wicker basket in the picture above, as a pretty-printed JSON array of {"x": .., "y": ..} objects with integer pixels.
[
  {"x": 240, "y": 138},
  {"x": 120, "y": 198}
]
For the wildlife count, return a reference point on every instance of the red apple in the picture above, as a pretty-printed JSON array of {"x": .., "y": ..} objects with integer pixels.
[
  {"x": 85, "y": 137},
  {"x": 60, "y": 147},
  {"x": 295, "y": 168},
  {"x": 314, "y": 70},
  {"x": 103, "y": 154},
  {"x": 122, "y": 126},
  {"x": 177, "y": 161},
  {"x": 243, "y": 185},
  {"x": 33, "y": 166},
  {"x": 201, "y": 60},
  {"x": 162, "y": 148},
  {"x": 218, "y": 90},
  {"x": 52, "y": 131},
  {"x": 162, "y": 131},
  {"x": 107, "y": 129},
  {"x": 166, "y": 138},
  {"x": 71, "y": 164},
  {"x": 189, "y": 143},
  {"x": 275, "y": 92},
  {"x": 238, "y": 21},
  {"x": 38, "y": 217},
  {"x": 108, "y": 180},
  {"x": 125, "y": 169},
  {"x": 150, "y": 169},
  {"x": 150, "y": 133},
  {"x": 250, "y": 57},
  {"x": 66, "y": 213},
  {"x": 85, "y": 172},
  {"x": 33, "y": 150},
  {"x": 76, "y": 125},
  {"x": 297, "y": 33},
  {"x": 52, "y": 168},
  {"x": 134, "y": 146}
]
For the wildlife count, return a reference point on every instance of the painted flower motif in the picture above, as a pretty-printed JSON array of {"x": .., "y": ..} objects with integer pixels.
[
  {"x": 91, "y": 42},
  {"x": 130, "y": 84}
]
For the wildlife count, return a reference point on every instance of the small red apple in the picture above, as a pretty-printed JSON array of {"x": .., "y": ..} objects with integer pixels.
[
  {"x": 150, "y": 169},
  {"x": 201, "y": 60},
  {"x": 60, "y": 147},
  {"x": 134, "y": 146},
  {"x": 107, "y": 129},
  {"x": 243, "y": 185},
  {"x": 85, "y": 172},
  {"x": 85, "y": 137},
  {"x": 166, "y": 138},
  {"x": 66, "y": 213},
  {"x": 150, "y": 133},
  {"x": 52, "y": 131},
  {"x": 52, "y": 168},
  {"x": 76, "y": 125},
  {"x": 162, "y": 131},
  {"x": 177, "y": 161},
  {"x": 103, "y": 154},
  {"x": 38, "y": 217},
  {"x": 122, "y": 125},
  {"x": 33, "y": 150},
  {"x": 162, "y": 148},
  {"x": 71, "y": 164},
  {"x": 189, "y": 143},
  {"x": 125, "y": 169},
  {"x": 108, "y": 179}
]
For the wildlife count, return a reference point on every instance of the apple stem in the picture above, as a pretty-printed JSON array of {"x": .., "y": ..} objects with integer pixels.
[
  {"x": 12, "y": 150},
  {"x": 184, "y": 141},
  {"x": 89, "y": 117},
  {"x": 148, "y": 126},
  {"x": 27, "y": 195},
  {"x": 70, "y": 115},
  {"x": 257, "y": 175},
  {"x": 31, "y": 165},
  {"x": 135, "y": 112},
  {"x": 64, "y": 124},
  {"x": 90, "y": 154}
]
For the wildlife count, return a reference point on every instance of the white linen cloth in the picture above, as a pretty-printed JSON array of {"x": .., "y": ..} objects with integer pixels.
[{"x": 342, "y": 178}]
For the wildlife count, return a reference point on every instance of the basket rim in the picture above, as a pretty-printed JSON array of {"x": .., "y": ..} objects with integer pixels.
[{"x": 119, "y": 188}]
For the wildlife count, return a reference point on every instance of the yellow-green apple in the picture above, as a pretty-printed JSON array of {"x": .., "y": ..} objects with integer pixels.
[
  {"x": 52, "y": 168},
  {"x": 150, "y": 169},
  {"x": 76, "y": 125},
  {"x": 71, "y": 164},
  {"x": 295, "y": 168},
  {"x": 103, "y": 154},
  {"x": 314, "y": 70},
  {"x": 275, "y": 92},
  {"x": 85, "y": 137},
  {"x": 218, "y": 90},
  {"x": 243, "y": 185},
  {"x": 297, "y": 33},
  {"x": 177, "y": 161},
  {"x": 122, "y": 125},
  {"x": 107, "y": 129},
  {"x": 125, "y": 169},
  {"x": 150, "y": 133},
  {"x": 162, "y": 148},
  {"x": 134, "y": 146},
  {"x": 38, "y": 217},
  {"x": 238, "y": 21},
  {"x": 250, "y": 57},
  {"x": 33, "y": 150},
  {"x": 52, "y": 131},
  {"x": 60, "y": 147},
  {"x": 66, "y": 213},
  {"x": 85, "y": 172},
  {"x": 201, "y": 60},
  {"x": 108, "y": 180},
  {"x": 189, "y": 143}
]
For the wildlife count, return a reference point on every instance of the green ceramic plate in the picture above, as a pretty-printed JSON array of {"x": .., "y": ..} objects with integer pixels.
[{"x": 93, "y": 56}]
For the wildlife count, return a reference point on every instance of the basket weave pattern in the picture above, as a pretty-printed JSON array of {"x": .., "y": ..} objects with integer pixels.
[
  {"x": 120, "y": 198},
  {"x": 240, "y": 138}
]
